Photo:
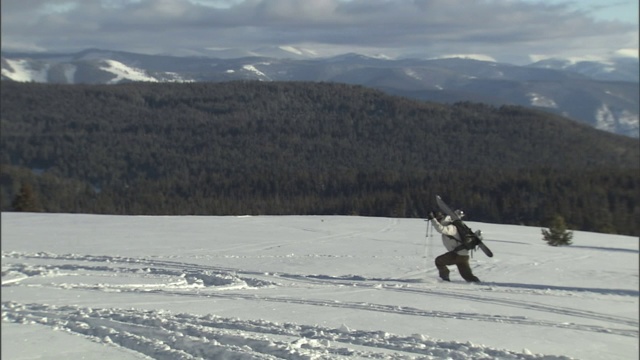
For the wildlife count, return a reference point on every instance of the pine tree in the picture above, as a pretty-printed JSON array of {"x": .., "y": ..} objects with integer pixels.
[
  {"x": 557, "y": 234},
  {"x": 26, "y": 200}
]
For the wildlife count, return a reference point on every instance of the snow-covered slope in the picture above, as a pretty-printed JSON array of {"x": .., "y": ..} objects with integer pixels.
[
  {"x": 306, "y": 287},
  {"x": 95, "y": 69},
  {"x": 123, "y": 72},
  {"x": 24, "y": 70}
]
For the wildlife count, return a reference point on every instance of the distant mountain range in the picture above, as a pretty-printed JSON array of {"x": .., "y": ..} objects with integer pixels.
[{"x": 603, "y": 95}]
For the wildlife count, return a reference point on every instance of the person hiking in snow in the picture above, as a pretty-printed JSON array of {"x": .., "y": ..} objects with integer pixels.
[{"x": 451, "y": 240}]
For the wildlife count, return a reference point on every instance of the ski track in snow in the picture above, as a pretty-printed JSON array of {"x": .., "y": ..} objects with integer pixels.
[
  {"x": 183, "y": 336},
  {"x": 163, "y": 335}
]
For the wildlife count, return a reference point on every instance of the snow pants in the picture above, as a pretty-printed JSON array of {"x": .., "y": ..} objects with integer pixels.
[{"x": 461, "y": 261}]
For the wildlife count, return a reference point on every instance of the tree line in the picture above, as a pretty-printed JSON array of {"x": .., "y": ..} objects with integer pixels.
[{"x": 307, "y": 148}]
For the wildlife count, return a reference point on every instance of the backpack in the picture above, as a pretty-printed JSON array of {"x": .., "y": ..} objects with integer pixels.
[{"x": 469, "y": 240}]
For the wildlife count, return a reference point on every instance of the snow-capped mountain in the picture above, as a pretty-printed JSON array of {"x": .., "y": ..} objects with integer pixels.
[
  {"x": 620, "y": 69},
  {"x": 603, "y": 95}
]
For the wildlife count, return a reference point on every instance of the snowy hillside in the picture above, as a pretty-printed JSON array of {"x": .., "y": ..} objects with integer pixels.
[{"x": 306, "y": 287}]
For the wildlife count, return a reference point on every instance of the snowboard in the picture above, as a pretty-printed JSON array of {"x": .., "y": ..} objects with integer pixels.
[{"x": 472, "y": 238}]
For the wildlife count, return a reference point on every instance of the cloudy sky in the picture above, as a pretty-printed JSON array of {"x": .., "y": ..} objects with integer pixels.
[{"x": 514, "y": 31}]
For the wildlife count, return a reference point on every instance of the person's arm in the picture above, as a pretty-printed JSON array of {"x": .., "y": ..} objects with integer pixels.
[{"x": 449, "y": 230}]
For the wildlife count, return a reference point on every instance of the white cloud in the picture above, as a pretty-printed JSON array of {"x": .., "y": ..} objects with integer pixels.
[
  {"x": 633, "y": 53},
  {"x": 503, "y": 30}
]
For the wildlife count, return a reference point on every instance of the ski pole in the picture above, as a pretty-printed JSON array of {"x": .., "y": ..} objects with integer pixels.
[
  {"x": 428, "y": 228},
  {"x": 427, "y": 244}
]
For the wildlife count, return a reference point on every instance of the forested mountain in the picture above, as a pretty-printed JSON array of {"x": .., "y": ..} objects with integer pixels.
[
  {"x": 249, "y": 147},
  {"x": 601, "y": 95}
]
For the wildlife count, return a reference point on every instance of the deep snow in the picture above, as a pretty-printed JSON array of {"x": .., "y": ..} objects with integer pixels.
[{"x": 306, "y": 287}]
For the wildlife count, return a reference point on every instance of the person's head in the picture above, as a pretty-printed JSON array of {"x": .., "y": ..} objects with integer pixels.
[{"x": 460, "y": 213}]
